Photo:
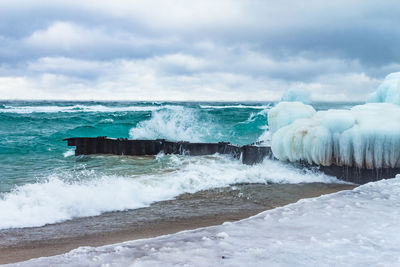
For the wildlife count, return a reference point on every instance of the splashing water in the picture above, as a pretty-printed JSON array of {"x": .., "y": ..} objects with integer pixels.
[
  {"x": 66, "y": 195},
  {"x": 172, "y": 124}
]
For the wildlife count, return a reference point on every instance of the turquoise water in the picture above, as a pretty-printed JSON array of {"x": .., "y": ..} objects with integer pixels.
[
  {"x": 42, "y": 182},
  {"x": 31, "y": 133}
]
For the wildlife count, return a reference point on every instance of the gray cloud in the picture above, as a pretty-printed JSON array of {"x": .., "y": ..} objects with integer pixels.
[{"x": 218, "y": 50}]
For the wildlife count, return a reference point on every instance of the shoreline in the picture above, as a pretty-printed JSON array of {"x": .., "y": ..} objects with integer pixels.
[
  {"x": 82, "y": 233},
  {"x": 60, "y": 246}
]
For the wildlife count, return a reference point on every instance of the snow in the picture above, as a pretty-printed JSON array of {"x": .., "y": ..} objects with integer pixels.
[
  {"x": 297, "y": 95},
  {"x": 358, "y": 227},
  {"x": 366, "y": 136},
  {"x": 388, "y": 91},
  {"x": 285, "y": 113}
]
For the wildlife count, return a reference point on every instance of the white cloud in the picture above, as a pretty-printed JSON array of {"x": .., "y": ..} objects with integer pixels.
[
  {"x": 64, "y": 35},
  {"x": 347, "y": 86},
  {"x": 205, "y": 50},
  {"x": 182, "y": 61},
  {"x": 63, "y": 64},
  {"x": 68, "y": 38},
  {"x": 185, "y": 15},
  {"x": 197, "y": 78}
]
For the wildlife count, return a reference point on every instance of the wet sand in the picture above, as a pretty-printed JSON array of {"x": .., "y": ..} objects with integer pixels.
[{"x": 188, "y": 211}]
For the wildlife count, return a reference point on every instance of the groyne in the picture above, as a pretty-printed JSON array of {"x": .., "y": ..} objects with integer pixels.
[{"x": 248, "y": 154}]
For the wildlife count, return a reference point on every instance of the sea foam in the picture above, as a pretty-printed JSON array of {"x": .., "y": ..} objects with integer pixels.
[
  {"x": 79, "y": 108},
  {"x": 61, "y": 198},
  {"x": 240, "y": 106},
  {"x": 69, "y": 153},
  {"x": 179, "y": 124}
]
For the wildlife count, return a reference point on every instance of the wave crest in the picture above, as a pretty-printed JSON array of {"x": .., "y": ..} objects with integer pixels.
[
  {"x": 65, "y": 196},
  {"x": 179, "y": 124}
]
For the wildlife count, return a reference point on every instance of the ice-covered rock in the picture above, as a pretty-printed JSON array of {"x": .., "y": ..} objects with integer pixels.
[
  {"x": 297, "y": 95},
  {"x": 388, "y": 91},
  {"x": 367, "y": 136},
  {"x": 285, "y": 113}
]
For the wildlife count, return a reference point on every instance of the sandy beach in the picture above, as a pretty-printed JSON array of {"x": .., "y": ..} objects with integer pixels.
[{"x": 188, "y": 211}]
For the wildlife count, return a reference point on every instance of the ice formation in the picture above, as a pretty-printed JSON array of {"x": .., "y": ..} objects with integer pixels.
[
  {"x": 285, "y": 113},
  {"x": 366, "y": 136},
  {"x": 388, "y": 91},
  {"x": 296, "y": 95}
]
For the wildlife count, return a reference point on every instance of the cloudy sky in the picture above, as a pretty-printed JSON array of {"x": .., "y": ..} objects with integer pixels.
[{"x": 196, "y": 50}]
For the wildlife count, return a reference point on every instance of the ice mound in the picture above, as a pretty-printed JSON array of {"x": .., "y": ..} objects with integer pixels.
[
  {"x": 285, "y": 113},
  {"x": 388, "y": 91},
  {"x": 367, "y": 136},
  {"x": 297, "y": 95}
]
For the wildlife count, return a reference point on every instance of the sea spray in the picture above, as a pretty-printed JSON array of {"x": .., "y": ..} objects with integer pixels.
[
  {"x": 69, "y": 153},
  {"x": 240, "y": 106},
  {"x": 180, "y": 124},
  {"x": 253, "y": 128},
  {"x": 84, "y": 193}
]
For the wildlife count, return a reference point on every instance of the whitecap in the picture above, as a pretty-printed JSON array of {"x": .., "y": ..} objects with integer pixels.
[{"x": 62, "y": 196}]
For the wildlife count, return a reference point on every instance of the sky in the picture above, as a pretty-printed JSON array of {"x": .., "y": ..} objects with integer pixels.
[{"x": 223, "y": 50}]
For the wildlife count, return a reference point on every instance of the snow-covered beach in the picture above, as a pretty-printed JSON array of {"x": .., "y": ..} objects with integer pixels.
[
  {"x": 357, "y": 227},
  {"x": 188, "y": 211}
]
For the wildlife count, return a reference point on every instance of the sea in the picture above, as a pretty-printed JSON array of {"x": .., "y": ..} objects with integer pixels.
[{"x": 43, "y": 185}]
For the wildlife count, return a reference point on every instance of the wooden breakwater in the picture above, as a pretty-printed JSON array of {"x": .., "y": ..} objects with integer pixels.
[{"x": 248, "y": 154}]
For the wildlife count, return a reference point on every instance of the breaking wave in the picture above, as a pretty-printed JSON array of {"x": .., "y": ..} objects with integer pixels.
[
  {"x": 79, "y": 108},
  {"x": 63, "y": 196},
  {"x": 234, "y": 106},
  {"x": 179, "y": 124}
]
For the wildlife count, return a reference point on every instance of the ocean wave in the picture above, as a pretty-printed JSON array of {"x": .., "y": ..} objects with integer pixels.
[
  {"x": 180, "y": 124},
  {"x": 261, "y": 115},
  {"x": 196, "y": 125},
  {"x": 265, "y": 138},
  {"x": 80, "y": 108},
  {"x": 234, "y": 106},
  {"x": 62, "y": 196},
  {"x": 260, "y": 119},
  {"x": 69, "y": 153}
]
